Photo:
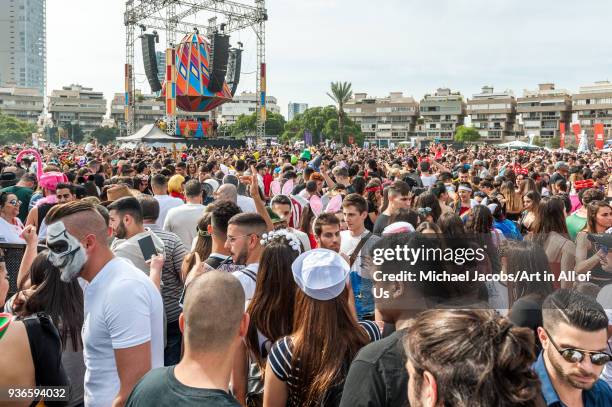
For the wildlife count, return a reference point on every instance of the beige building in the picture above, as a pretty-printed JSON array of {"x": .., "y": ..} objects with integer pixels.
[
  {"x": 493, "y": 114},
  {"x": 76, "y": 104},
  {"x": 541, "y": 111},
  {"x": 442, "y": 113},
  {"x": 384, "y": 120},
  {"x": 22, "y": 103},
  {"x": 244, "y": 104},
  {"x": 593, "y": 104},
  {"x": 149, "y": 108}
]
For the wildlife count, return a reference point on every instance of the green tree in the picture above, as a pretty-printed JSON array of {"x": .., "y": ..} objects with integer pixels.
[
  {"x": 322, "y": 122},
  {"x": 247, "y": 125},
  {"x": 340, "y": 93},
  {"x": 13, "y": 130},
  {"x": 105, "y": 135},
  {"x": 73, "y": 132},
  {"x": 466, "y": 134}
]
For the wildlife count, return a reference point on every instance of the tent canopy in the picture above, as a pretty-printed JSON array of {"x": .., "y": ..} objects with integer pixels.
[
  {"x": 150, "y": 134},
  {"x": 519, "y": 145}
]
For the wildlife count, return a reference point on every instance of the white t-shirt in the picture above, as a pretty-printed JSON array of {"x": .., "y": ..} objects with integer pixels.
[
  {"x": 183, "y": 221},
  {"x": 428, "y": 180},
  {"x": 604, "y": 298},
  {"x": 246, "y": 204},
  {"x": 122, "y": 309},
  {"x": 9, "y": 233},
  {"x": 247, "y": 277},
  {"x": 166, "y": 202}
]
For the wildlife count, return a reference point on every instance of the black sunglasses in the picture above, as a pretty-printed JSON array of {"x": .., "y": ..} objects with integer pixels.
[{"x": 573, "y": 355}]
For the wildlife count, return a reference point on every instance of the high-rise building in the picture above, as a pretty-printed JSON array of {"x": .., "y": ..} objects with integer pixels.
[
  {"x": 593, "y": 104},
  {"x": 23, "y": 52},
  {"x": 493, "y": 114},
  {"x": 442, "y": 112},
  {"x": 293, "y": 109},
  {"x": 245, "y": 103},
  {"x": 543, "y": 110},
  {"x": 384, "y": 120},
  {"x": 76, "y": 104},
  {"x": 22, "y": 103}
]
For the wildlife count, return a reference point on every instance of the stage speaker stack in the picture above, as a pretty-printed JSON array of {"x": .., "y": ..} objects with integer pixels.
[
  {"x": 218, "y": 61},
  {"x": 150, "y": 61},
  {"x": 233, "y": 69}
]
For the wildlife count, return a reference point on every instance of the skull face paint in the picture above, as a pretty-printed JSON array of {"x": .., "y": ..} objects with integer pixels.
[{"x": 65, "y": 251}]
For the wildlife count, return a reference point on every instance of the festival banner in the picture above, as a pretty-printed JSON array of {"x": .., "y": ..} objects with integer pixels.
[
  {"x": 599, "y": 135},
  {"x": 576, "y": 130},
  {"x": 307, "y": 138},
  {"x": 562, "y": 135}
]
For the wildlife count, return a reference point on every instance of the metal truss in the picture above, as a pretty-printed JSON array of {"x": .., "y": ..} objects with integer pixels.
[{"x": 178, "y": 17}]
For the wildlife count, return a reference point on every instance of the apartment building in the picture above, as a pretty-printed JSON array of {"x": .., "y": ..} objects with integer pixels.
[
  {"x": 386, "y": 119},
  {"x": 493, "y": 114},
  {"x": 22, "y": 103},
  {"x": 543, "y": 110},
  {"x": 593, "y": 104},
  {"x": 244, "y": 104},
  {"x": 293, "y": 109},
  {"x": 76, "y": 104},
  {"x": 442, "y": 113}
]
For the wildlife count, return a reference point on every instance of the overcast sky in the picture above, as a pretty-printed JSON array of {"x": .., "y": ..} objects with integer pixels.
[{"x": 413, "y": 46}]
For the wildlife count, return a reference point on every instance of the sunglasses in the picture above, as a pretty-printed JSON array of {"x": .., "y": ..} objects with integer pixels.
[
  {"x": 15, "y": 202},
  {"x": 573, "y": 355}
]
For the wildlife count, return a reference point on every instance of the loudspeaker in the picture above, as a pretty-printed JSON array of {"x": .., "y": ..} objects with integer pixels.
[
  {"x": 150, "y": 61},
  {"x": 233, "y": 69},
  {"x": 218, "y": 61}
]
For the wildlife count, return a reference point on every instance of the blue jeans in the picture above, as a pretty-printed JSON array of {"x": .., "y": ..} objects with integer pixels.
[
  {"x": 364, "y": 299},
  {"x": 174, "y": 339}
]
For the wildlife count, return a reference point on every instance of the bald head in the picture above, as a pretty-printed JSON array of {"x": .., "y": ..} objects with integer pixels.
[
  {"x": 227, "y": 192},
  {"x": 222, "y": 296},
  {"x": 80, "y": 218}
]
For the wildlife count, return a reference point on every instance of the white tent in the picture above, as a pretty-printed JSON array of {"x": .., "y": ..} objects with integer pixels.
[
  {"x": 150, "y": 134},
  {"x": 519, "y": 145}
]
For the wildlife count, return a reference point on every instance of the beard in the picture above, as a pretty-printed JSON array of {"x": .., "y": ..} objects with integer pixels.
[
  {"x": 241, "y": 257},
  {"x": 121, "y": 231},
  {"x": 566, "y": 376}
]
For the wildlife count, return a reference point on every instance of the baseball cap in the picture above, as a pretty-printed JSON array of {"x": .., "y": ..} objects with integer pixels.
[
  {"x": 398, "y": 227},
  {"x": 561, "y": 164},
  {"x": 320, "y": 273},
  {"x": 213, "y": 183}
]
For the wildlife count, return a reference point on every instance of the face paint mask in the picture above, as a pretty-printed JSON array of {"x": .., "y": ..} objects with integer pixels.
[{"x": 65, "y": 251}]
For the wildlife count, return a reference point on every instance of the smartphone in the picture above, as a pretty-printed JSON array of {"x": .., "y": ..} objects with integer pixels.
[{"x": 147, "y": 247}]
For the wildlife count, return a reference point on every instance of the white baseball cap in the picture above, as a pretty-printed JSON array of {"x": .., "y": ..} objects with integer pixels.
[{"x": 320, "y": 273}]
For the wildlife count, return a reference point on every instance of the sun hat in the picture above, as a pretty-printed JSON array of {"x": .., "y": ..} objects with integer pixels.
[{"x": 320, "y": 273}]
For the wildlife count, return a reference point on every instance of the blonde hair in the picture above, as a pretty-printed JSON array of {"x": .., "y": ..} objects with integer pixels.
[{"x": 175, "y": 184}]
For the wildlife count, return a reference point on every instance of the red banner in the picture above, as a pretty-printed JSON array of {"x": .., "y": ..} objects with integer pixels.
[
  {"x": 576, "y": 130},
  {"x": 562, "y": 135},
  {"x": 599, "y": 135}
]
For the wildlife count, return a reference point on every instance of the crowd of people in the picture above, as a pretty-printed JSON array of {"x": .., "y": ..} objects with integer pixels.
[{"x": 279, "y": 277}]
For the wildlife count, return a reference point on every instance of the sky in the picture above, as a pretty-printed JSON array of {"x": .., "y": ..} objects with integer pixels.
[{"x": 410, "y": 46}]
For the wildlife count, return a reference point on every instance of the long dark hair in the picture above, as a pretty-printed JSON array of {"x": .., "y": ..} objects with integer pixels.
[
  {"x": 203, "y": 245},
  {"x": 592, "y": 211},
  {"x": 550, "y": 217},
  {"x": 326, "y": 338},
  {"x": 479, "y": 220},
  {"x": 428, "y": 200},
  {"x": 271, "y": 308},
  {"x": 530, "y": 257},
  {"x": 451, "y": 225},
  {"x": 63, "y": 302}
]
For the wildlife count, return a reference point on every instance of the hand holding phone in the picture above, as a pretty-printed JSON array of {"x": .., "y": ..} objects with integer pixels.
[{"x": 147, "y": 247}]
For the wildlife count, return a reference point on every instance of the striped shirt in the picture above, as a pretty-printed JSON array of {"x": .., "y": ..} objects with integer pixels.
[
  {"x": 172, "y": 285},
  {"x": 281, "y": 360}
]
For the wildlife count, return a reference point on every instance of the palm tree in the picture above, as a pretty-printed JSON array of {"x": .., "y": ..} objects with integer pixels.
[{"x": 341, "y": 93}]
